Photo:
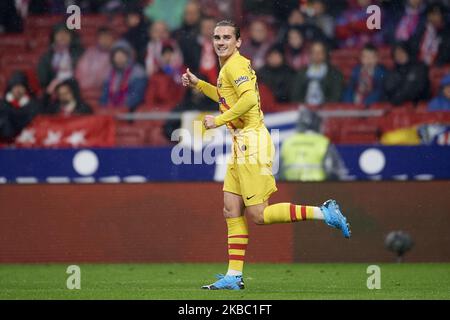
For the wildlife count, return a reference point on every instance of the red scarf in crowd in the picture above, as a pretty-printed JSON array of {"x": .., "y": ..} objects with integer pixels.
[
  {"x": 429, "y": 46},
  {"x": 117, "y": 93}
]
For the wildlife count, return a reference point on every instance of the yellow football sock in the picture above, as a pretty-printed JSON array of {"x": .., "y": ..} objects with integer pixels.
[
  {"x": 288, "y": 212},
  {"x": 237, "y": 244}
]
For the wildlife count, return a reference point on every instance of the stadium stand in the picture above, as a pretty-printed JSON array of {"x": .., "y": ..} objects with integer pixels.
[{"x": 21, "y": 51}]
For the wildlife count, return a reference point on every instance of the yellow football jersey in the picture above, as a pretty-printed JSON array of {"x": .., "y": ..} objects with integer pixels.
[{"x": 236, "y": 77}]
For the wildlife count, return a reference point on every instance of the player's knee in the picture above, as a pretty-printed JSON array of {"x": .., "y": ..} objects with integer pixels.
[
  {"x": 229, "y": 212},
  {"x": 258, "y": 218}
]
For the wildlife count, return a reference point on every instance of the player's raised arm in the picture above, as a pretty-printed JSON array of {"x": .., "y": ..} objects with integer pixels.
[{"x": 189, "y": 79}]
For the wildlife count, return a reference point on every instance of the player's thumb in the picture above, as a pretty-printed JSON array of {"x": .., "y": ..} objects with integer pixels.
[{"x": 189, "y": 73}]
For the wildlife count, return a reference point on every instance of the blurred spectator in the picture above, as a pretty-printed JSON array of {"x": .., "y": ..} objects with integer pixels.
[
  {"x": 335, "y": 7},
  {"x": 276, "y": 74},
  {"x": 432, "y": 40},
  {"x": 295, "y": 49},
  {"x": 193, "y": 100},
  {"x": 297, "y": 19},
  {"x": 191, "y": 21},
  {"x": 107, "y": 6},
  {"x": 206, "y": 61},
  {"x": 18, "y": 107},
  {"x": 366, "y": 82},
  {"x": 442, "y": 101},
  {"x": 255, "y": 48},
  {"x": 351, "y": 27},
  {"x": 319, "y": 82},
  {"x": 169, "y": 63},
  {"x": 154, "y": 62},
  {"x": 137, "y": 32},
  {"x": 187, "y": 34},
  {"x": 319, "y": 17},
  {"x": 127, "y": 82},
  {"x": 258, "y": 7},
  {"x": 169, "y": 11},
  {"x": 95, "y": 65},
  {"x": 59, "y": 62},
  {"x": 36, "y": 7},
  {"x": 201, "y": 58},
  {"x": 11, "y": 19},
  {"x": 410, "y": 20},
  {"x": 308, "y": 155},
  {"x": 67, "y": 101},
  {"x": 219, "y": 9},
  {"x": 408, "y": 81}
]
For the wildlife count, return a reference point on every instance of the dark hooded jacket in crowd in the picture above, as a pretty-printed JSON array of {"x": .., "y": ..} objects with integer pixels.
[
  {"x": 10, "y": 20},
  {"x": 137, "y": 36},
  {"x": 54, "y": 106},
  {"x": 124, "y": 86},
  {"x": 408, "y": 82},
  {"x": 16, "y": 114},
  {"x": 277, "y": 78},
  {"x": 45, "y": 70}
]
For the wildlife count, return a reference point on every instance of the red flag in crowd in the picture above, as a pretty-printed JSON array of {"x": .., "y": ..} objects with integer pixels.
[{"x": 72, "y": 132}]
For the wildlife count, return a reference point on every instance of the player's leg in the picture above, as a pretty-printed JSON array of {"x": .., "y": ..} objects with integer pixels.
[
  {"x": 237, "y": 228},
  {"x": 285, "y": 212},
  {"x": 237, "y": 244},
  {"x": 237, "y": 232},
  {"x": 258, "y": 182}
]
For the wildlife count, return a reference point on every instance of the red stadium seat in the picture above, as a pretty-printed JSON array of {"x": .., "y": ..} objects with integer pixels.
[
  {"x": 13, "y": 43},
  {"x": 43, "y": 21},
  {"x": 333, "y": 106},
  {"x": 129, "y": 135},
  {"x": 19, "y": 60},
  {"x": 436, "y": 74},
  {"x": 3, "y": 81},
  {"x": 154, "y": 134},
  {"x": 93, "y": 21},
  {"x": 386, "y": 106},
  {"x": 267, "y": 98}
]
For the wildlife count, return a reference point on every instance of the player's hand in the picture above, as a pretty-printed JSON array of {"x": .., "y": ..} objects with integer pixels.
[
  {"x": 209, "y": 122},
  {"x": 189, "y": 79}
]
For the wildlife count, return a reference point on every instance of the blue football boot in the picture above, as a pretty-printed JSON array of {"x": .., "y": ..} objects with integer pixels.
[
  {"x": 334, "y": 217},
  {"x": 226, "y": 283}
]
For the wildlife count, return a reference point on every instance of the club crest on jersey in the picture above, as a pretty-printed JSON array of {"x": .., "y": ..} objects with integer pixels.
[
  {"x": 219, "y": 83},
  {"x": 241, "y": 80}
]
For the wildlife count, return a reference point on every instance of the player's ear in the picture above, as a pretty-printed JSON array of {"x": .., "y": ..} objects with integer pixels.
[{"x": 238, "y": 43}]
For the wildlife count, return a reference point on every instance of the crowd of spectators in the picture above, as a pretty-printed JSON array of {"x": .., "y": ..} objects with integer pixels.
[{"x": 289, "y": 43}]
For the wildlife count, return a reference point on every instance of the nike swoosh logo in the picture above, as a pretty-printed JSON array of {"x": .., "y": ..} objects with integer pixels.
[{"x": 248, "y": 198}]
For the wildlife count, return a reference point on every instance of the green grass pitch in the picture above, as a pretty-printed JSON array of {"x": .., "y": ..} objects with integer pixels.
[{"x": 263, "y": 281}]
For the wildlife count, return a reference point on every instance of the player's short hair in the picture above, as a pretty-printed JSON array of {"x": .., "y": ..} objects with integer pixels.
[{"x": 229, "y": 23}]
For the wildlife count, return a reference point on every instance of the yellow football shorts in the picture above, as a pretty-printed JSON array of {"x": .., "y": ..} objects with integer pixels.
[{"x": 249, "y": 171}]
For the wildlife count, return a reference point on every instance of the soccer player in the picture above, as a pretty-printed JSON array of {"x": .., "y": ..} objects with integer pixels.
[{"x": 249, "y": 181}]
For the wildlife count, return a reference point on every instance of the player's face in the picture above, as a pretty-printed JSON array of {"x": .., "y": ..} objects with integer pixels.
[{"x": 225, "y": 42}]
